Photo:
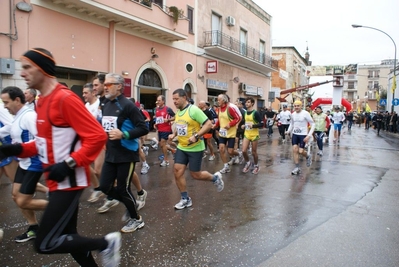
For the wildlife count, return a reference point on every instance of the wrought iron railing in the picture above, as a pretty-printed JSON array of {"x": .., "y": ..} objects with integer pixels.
[{"x": 217, "y": 38}]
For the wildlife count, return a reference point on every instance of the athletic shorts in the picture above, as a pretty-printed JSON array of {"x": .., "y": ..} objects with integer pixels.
[
  {"x": 252, "y": 138},
  {"x": 229, "y": 142},
  {"x": 28, "y": 180},
  {"x": 194, "y": 158},
  {"x": 207, "y": 135},
  {"x": 298, "y": 140},
  {"x": 337, "y": 126},
  {"x": 240, "y": 133},
  {"x": 163, "y": 135}
]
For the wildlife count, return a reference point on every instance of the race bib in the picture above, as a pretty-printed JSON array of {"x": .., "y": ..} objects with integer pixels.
[
  {"x": 248, "y": 126},
  {"x": 181, "y": 129},
  {"x": 41, "y": 146},
  {"x": 223, "y": 132},
  {"x": 159, "y": 120},
  {"x": 297, "y": 130},
  {"x": 109, "y": 123}
]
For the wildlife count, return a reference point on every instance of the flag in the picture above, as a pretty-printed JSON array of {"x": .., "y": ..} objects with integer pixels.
[
  {"x": 393, "y": 85},
  {"x": 377, "y": 96},
  {"x": 368, "y": 109},
  {"x": 358, "y": 109}
]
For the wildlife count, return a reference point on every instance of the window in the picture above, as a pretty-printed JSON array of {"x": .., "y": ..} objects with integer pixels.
[
  {"x": 374, "y": 74},
  {"x": 351, "y": 85},
  {"x": 190, "y": 16},
  {"x": 243, "y": 42},
  {"x": 216, "y": 29},
  {"x": 158, "y": 2},
  {"x": 187, "y": 88},
  {"x": 262, "y": 51}
]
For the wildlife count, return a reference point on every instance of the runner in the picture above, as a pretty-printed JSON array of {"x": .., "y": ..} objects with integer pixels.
[
  {"x": 189, "y": 132},
  {"x": 253, "y": 121},
  {"x": 300, "y": 134},
  {"x": 322, "y": 122},
  {"x": 338, "y": 118}
]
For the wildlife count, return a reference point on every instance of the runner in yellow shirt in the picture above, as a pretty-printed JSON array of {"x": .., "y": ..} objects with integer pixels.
[
  {"x": 253, "y": 122},
  {"x": 191, "y": 124}
]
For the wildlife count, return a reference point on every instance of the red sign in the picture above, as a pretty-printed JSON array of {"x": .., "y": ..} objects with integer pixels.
[
  {"x": 127, "y": 91},
  {"x": 212, "y": 66}
]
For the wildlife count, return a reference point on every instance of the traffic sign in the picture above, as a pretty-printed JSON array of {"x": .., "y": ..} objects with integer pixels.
[
  {"x": 383, "y": 102},
  {"x": 395, "y": 102}
]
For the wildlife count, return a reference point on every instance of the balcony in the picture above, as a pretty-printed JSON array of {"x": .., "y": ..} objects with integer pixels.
[
  {"x": 229, "y": 49},
  {"x": 141, "y": 16}
]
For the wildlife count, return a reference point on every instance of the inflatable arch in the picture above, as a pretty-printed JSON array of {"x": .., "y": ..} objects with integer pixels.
[{"x": 320, "y": 101}]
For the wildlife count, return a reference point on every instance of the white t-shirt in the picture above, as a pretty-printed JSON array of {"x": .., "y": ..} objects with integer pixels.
[
  {"x": 93, "y": 108},
  {"x": 337, "y": 117},
  {"x": 285, "y": 117},
  {"x": 299, "y": 123}
]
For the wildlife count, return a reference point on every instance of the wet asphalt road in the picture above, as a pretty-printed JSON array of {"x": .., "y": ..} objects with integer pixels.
[{"x": 257, "y": 220}]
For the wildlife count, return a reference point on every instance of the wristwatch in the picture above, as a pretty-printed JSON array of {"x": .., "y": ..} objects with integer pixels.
[
  {"x": 70, "y": 162},
  {"x": 196, "y": 136}
]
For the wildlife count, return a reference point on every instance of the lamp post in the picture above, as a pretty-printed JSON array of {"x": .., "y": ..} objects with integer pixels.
[{"x": 394, "y": 60}]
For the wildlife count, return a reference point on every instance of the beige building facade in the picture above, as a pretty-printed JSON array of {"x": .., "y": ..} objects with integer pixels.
[{"x": 158, "y": 46}]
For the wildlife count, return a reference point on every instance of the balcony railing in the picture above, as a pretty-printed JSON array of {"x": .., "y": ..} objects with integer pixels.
[{"x": 217, "y": 38}]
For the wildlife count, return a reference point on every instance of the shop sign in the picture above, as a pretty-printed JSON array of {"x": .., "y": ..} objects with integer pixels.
[
  {"x": 260, "y": 91},
  {"x": 251, "y": 90},
  {"x": 127, "y": 91},
  {"x": 214, "y": 84}
]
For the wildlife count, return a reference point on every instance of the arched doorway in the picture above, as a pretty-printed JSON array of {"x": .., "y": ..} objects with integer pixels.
[{"x": 149, "y": 88}]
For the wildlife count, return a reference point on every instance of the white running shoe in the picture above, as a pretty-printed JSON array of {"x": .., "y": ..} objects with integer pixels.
[
  {"x": 132, "y": 225},
  {"x": 184, "y": 203},
  {"x": 246, "y": 167},
  {"x": 225, "y": 169},
  {"x": 211, "y": 157},
  {"x": 107, "y": 205},
  {"x": 95, "y": 195},
  {"x": 256, "y": 169},
  {"x": 111, "y": 256},
  {"x": 145, "y": 169},
  {"x": 320, "y": 153},
  {"x": 145, "y": 150},
  {"x": 309, "y": 160},
  {"x": 140, "y": 200},
  {"x": 295, "y": 171},
  {"x": 164, "y": 163},
  {"x": 219, "y": 182}
]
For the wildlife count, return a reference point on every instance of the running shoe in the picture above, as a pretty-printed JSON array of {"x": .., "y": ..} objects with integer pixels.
[
  {"x": 145, "y": 150},
  {"x": 107, "y": 205},
  {"x": 28, "y": 235},
  {"x": 145, "y": 169},
  {"x": 232, "y": 160},
  {"x": 184, "y": 203},
  {"x": 320, "y": 153},
  {"x": 204, "y": 155},
  {"x": 225, "y": 169},
  {"x": 95, "y": 195},
  {"x": 246, "y": 167},
  {"x": 256, "y": 169},
  {"x": 111, "y": 255},
  {"x": 132, "y": 225},
  {"x": 164, "y": 163},
  {"x": 295, "y": 171},
  {"x": 141, "y": 200},
  {"x": 211, "y": 157},
  {"x": 219, "y": 182},
  {"x": 309, "y": 160}
]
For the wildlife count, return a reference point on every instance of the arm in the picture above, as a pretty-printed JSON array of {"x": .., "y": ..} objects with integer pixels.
[
  {"x": 91, "y": 134},
  {"x": 328, "y": 122},
  {"x": 171, "y": 115},
  {"x": 258, "y": 119},
  {"x": 236, "y": 118},
  {"x": 6, "y": 119}
]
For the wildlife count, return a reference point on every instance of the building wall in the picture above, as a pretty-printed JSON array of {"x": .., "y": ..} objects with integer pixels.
[{"x": 83, "y": 41}]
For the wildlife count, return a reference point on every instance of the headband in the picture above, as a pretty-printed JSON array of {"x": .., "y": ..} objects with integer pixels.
[{"x": 45, "y": 63}]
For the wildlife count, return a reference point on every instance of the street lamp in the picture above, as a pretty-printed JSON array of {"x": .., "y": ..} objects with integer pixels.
[{"x": 394, "y": 62}]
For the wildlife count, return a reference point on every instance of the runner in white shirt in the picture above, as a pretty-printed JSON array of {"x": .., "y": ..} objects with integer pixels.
[
  {"x": 92, "y": 105},
  {"x": 92, "y": 102},
  {"x": 285, "y": 119},
  {"x": 300, "y": 134},
  {"x": 338, "y": 117}
]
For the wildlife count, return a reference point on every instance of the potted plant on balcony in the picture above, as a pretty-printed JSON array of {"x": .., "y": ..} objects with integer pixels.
[{"x": 176, "y": 13}]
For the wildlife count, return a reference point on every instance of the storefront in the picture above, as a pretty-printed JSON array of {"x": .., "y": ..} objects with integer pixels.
[{"x": 215, "y": 88}]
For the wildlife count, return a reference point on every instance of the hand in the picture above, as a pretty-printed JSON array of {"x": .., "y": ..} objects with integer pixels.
[
  {"x": 10, "y": 150},
  {"x": 171, "y": 137},
  {"x": 227, "y": 126},
  {"x": 115, "y": 134},
  {"x": 59, "y": 171}
]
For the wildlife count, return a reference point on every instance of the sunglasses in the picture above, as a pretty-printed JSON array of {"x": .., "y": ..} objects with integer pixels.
[{"x": 107, "y": 85}]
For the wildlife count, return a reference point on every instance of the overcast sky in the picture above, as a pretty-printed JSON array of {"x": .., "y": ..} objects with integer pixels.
[{"x": 326, "y": 27}]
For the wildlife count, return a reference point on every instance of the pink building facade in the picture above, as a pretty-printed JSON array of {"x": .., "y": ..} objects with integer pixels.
[{"x": 207, "y": 48}]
